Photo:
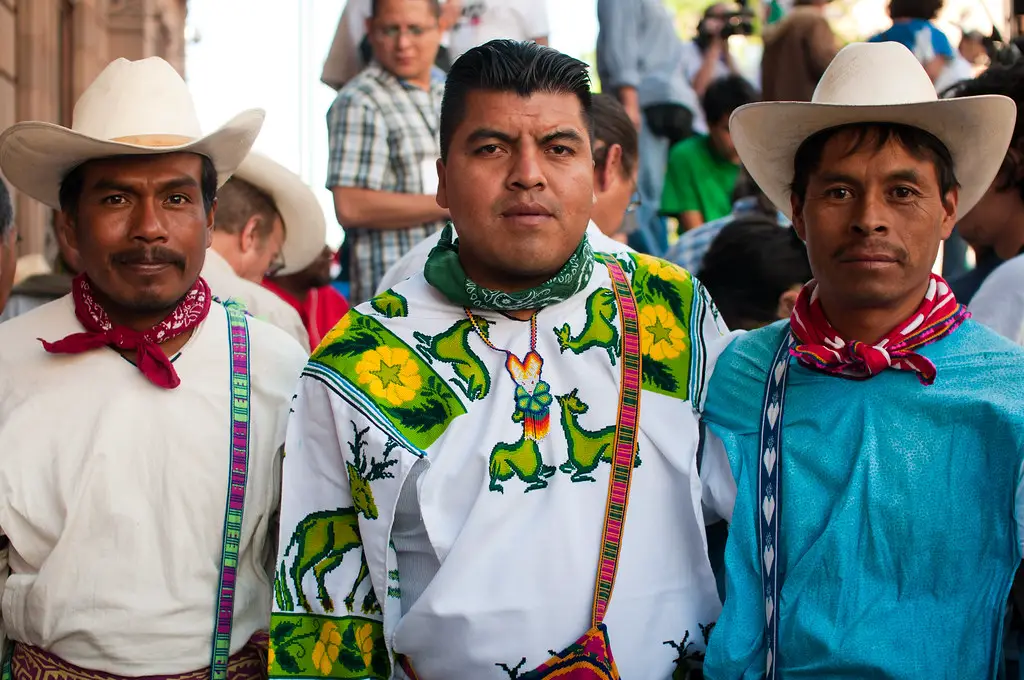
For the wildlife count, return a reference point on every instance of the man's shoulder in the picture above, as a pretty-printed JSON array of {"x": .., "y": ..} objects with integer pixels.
[
  {"x": 375, "y": 360},
  {"x": 371, "y": 88},
  {"x": 737, "y": 383},
  {"x": 690, "y": 148}
]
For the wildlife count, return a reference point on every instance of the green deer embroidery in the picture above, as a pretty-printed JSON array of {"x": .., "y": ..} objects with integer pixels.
[
  {"x": 586, "y": 449},
  {"x": 599, "y": 331},
  {"x": 521, "y": 459},
  {"x": 452, "y": 348},
  {"x": 362, "y": 471},
  {"x": 390, "y": 304},
  {"x": 321, "y": 541}
]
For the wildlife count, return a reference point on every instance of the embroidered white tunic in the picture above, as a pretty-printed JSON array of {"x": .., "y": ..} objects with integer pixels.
[
  {"x": 408, "y": 433},
  {"x": 113, "y": 491}
]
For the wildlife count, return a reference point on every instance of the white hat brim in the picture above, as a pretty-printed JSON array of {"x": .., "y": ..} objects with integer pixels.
[
  {"x": 303, "y": 216},
  {"x": 35, "y": 157},
  {"x": 976, "y": 131}
]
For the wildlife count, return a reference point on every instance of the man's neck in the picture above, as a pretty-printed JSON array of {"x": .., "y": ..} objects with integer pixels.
[{"x": 870, "y": 324}]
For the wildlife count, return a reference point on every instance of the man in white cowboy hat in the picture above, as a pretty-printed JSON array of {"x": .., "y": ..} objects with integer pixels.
[
  {"x": 877, "y": 436},
  {"x": 268, "y": 223},
  {"x": 135, "y": 528}
]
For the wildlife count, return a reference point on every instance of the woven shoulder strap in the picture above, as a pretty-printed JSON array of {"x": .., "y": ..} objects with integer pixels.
[
  {"x": 238, "y": 329},
  {"x": 769, "y": 482},
  {"x": 626, "y": 430}
]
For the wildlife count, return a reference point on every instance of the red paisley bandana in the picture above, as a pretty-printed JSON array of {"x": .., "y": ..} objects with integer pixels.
[
  {"x": 100, "y": 332},
  {"x": 820, "y": 347}
]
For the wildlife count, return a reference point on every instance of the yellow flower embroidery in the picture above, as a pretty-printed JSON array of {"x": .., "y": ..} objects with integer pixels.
[
  {"x": 364, "y": 641},
  {"x": 270, "y": 657},
  {"x": 660, "y": 269},
  {"x": 660, "y": 336},
  {"x": 336, "y": 332},
  {"x": 327, "y": 648},
  {"x": 390, "y": 373}
]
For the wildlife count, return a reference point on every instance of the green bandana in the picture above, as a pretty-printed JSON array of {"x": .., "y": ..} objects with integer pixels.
[{"x": 444, "y": 272}]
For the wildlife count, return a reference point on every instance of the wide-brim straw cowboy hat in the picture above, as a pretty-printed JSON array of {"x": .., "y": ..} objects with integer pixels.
[
  {"x": 875, "y": 83},
  {"x": 304, "y": 222},
  {"x": 132, "y": 108}
]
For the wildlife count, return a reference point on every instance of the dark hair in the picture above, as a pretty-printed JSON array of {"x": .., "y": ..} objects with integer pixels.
[
  {"x": 73, "y": 183},
  {"x": 435, "y": 5},
  {"x": 613, "y": 126},
  {"x": 725, "y": 95},
  {"x": 6, "y": 210},
  {"x": 1009, "y": 82},
  {"x": 237, "y": 202},
  {"x": 920, "y": 144},
  {"x": 914, "y": 9},
  {"x": 750, "y": 264},
  {"x": 525, "y": 68}
]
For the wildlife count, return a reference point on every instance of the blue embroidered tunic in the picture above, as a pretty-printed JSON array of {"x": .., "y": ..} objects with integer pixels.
[{"x": 899, "y": 517}]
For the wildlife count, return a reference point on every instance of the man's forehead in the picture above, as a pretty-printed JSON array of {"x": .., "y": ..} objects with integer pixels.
[
  {"x": 155, "y": 166},
  {"x": 392, "y": 11},
  {"x": 537, "y": 111}
]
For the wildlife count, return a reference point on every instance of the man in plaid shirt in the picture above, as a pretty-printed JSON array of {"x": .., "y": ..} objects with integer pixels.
[{"x": 383, "y": 132}]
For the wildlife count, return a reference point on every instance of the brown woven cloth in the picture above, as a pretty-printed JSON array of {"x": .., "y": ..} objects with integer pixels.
[
  {"x": 797, "y": 50},
  {"x": 32, "y": 663}
]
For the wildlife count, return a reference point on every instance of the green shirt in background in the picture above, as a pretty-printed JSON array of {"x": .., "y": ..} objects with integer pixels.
[{"x": 698, "y": 179}]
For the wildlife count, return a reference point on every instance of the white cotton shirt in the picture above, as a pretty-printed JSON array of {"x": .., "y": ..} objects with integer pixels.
[
  {"x": 486, "y": 20},
  {"x": 412, "y": 262},
  {"x": 261, "y": 303},
  {"x": 113, "y": 491},
  {"x": 999, "y": 303}
]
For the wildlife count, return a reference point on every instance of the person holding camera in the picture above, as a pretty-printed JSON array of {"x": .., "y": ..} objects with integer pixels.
[
  {"x": 707, "y": 58},
  {"x": 797, "y": 50}
]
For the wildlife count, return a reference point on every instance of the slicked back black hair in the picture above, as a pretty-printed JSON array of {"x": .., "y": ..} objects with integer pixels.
[{"x": 525, "y": 68}]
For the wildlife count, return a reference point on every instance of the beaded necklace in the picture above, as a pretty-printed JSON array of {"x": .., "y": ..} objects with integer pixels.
[{"x": 533, "y": 395}]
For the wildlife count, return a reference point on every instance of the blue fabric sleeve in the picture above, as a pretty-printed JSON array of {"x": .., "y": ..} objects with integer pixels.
[{"x": 941, "y": 44}]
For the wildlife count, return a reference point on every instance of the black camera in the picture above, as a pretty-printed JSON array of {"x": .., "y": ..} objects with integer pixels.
[{"x": 738, "y": 23}]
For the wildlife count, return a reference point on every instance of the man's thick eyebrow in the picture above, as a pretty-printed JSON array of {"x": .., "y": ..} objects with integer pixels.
[
  {"x": 906, "y": 175},
  {"x": 562, "y": 136},
  {"x": 480, "y": 134}
]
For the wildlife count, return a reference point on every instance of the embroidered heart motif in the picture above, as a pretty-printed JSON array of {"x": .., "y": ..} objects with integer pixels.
[
  {"x": 769, "y": 558},
  {"x": 768, "y": 666},
  {"x": 773, "y": 413},
  {"x": 527, "y": 371},
  {"x": 769, "y": 609},
  {"x": 768, "y": 508},
  {"x": 779, "y": 370},
  {"x": 769, "y": 459}
]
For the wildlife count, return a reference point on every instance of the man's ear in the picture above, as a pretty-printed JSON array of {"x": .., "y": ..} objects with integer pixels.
[
  {"x": 612, "y": 169},
  {"x": 442, "y": 186},
  {"x": 248, "y": 239},
  {"x": 949, "y": 206},
  {"x": 799, "y": 226},
  {"x": 210, "y": 220}
]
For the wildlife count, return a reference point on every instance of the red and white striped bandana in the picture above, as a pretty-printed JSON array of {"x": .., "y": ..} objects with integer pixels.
[{"x": 821, "y": 348}]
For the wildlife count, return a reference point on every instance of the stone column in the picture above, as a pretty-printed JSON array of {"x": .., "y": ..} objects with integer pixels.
[{"x": 37, "y": 55}]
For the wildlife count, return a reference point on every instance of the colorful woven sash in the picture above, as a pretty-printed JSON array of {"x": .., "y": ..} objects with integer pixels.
[
  {"x": 769, "y": 482},
  {"x": 221, "y": 661},
  {"x": 590, "y": 657}
]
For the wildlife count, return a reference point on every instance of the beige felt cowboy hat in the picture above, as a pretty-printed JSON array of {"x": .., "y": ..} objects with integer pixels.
[
  {"x": 875, "y": 83},
  {"x": 304, "y": 223},
  {"x": 132, "y": 108}
]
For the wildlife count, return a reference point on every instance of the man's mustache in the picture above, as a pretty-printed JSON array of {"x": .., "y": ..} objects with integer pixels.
[{"x": 153, "y": 255}]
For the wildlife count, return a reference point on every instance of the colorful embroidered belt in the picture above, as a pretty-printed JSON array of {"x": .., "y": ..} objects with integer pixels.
[{"x": 32, "y": 663}]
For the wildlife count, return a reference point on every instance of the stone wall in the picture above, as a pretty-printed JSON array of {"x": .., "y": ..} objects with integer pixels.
[{"x": 51, "y": 50}]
